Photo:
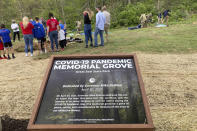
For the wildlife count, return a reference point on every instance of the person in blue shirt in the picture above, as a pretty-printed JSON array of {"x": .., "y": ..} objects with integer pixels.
[
  {"x": 39, "y": 34},
  {"x": 159, "y": 17},
  {"x": 61, "y": 25},
  {"x": 100, "y": 22},
  {"x": 32, "y": 21},
  {"x": 166, "y": 16},
  {"x": 5, "y": 36},
  {"x": 2, "y": 52}
]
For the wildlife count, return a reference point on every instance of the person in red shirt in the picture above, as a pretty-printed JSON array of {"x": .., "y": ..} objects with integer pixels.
[
  {"x": 2, "y": 52},
  {"x": 27, "y": 28},
  {"x": 52, "y": 26}
]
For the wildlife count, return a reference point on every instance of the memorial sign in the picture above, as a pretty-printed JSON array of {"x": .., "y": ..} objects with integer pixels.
[{"x": 81, "y": 93}]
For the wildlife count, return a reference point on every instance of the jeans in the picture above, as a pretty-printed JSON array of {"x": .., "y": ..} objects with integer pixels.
[
  {"x": 53, "y": 37},
  {"x": 100, "y": 32},
  {"x": 88, "y": 33},
  {"x": 28, "y": 42},
  {"x": 18, "y": 34}
]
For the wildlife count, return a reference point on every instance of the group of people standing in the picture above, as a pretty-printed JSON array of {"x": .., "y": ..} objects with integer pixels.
[
  {"x": 31, "y": 29},
  {"x": 163, "y": 17},
  {"x": 35, "y": 29},
  {"x": 102, "y": 24},
  {"x": 56, "y": 31}
]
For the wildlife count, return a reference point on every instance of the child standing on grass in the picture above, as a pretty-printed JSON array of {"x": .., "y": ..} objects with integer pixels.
[
  {"x": 5, "y": 36},
  {"x": 61, "y": 38}
]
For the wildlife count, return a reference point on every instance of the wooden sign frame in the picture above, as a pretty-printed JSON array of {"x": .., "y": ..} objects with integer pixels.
[{"x": 91, "y": 127}]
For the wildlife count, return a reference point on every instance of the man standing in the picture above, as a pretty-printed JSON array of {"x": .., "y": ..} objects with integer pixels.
[
  {"x": 166, "y": 16},
  {"x": 143, "y": 20},
  {"x": 100, "y": 22},
  {"x": 15, "y": 29},
  {"x": 107, "y": 24},
  {"x": 52, "y": 26}
]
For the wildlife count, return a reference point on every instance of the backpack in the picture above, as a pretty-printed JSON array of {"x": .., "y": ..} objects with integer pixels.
[{"x": 38, "y": 30}]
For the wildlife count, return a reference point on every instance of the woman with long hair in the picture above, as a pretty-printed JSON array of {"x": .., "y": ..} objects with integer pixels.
[
  {"x": 27, "y": 28},
  {"x": 88, "y": 14}
]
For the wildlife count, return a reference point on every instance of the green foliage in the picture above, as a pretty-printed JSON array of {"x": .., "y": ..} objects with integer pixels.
[
  {"x": 194, "y": 7},
  {"x": 131, "y": 13},
  {"x": 122, "y": 13},
  {"x": 177, "y": 38}
]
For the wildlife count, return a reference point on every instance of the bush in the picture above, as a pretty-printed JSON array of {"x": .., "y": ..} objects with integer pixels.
[
  {"x": 131, "y": 13},
  {"x": 194, "y": 7}
]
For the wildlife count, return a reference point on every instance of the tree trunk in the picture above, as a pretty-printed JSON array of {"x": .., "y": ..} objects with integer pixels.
[
  {"x": 95, "y": 3},
  {"x": 132, "y": 102},
  {"x": 79, "y": 91},
  {"x": 116, "y": 111},
  {"x": 129, "y": 1},
  {"x": 158, "y": 5},
  {"x": 19, "y": 2},
  {"x": 106, "y": 111}
]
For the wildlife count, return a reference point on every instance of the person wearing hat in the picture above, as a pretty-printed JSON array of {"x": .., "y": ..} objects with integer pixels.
[{"x": 15, "y": 28}]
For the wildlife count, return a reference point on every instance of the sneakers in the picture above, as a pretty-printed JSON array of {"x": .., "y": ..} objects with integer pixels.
[
  {"x": 86, "y": 46},
  {"x": 8, "y": 57},
  {"x": 1, "y": 58},
  {"x": 91, "y": 45},
  {"x": 13, "y": 57},
  {"x": 26, "y": 54},
  {"x": 4, "y": 57},
  {"x": 56, "y": 50}
]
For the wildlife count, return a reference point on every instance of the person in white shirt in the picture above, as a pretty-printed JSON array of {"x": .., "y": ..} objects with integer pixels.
[
  {"x": 61, "y": 38},
  {"x": 107, "y": 23},
  {"x": 16, "y": 30},
  {"x": 78, "y": 25}
]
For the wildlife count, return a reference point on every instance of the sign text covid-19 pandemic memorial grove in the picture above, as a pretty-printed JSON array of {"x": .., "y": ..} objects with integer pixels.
[{"x": 97, "y": 93}]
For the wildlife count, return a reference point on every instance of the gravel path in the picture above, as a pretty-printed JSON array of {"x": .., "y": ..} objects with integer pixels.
[{"x": 170, "y": 82}]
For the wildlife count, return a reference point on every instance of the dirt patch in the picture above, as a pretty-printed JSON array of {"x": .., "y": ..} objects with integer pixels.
[
  {"x": 9, "y": 124},
  {"x": 170, "y": 83}
]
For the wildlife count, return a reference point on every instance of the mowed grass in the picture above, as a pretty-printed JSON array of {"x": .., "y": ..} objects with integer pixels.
[
  {"x": 174, "y": 39},
  {"x": 179, "y": 38}
]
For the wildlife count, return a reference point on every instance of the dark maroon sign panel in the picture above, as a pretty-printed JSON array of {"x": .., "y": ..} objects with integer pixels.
[{"x": 90, "y": 91}]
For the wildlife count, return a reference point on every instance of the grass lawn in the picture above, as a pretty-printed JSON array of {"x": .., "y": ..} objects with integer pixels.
[{"x": 179, "y": 38}]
